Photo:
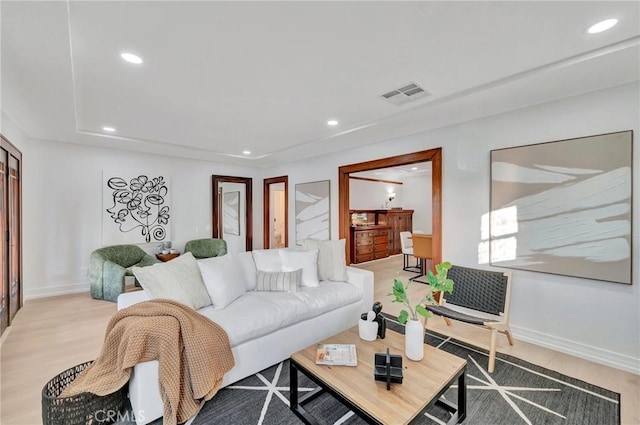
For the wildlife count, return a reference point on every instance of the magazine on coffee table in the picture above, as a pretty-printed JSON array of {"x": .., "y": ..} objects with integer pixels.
[{"x": 336, "y": 355}]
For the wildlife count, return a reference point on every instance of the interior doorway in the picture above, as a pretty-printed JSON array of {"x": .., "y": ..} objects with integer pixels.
[
  {"x": 11, "y": 231},
  {"x": 276, "y": 212},
  {"x": 232, "y": 212},
  {"x": 433, "y": 155}
]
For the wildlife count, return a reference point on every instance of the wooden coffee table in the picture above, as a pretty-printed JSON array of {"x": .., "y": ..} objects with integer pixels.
[{"x": 423, "y": 385}]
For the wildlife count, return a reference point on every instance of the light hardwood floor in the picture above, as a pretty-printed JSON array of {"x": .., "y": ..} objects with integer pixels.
[{"x": 53, "y": 334}]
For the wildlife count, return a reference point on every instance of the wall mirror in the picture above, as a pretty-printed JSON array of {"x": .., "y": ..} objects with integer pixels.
[{"x": 231, "y": 199}]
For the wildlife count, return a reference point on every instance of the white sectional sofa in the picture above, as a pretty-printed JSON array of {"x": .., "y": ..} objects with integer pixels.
[{"x": 264, "y": 327}]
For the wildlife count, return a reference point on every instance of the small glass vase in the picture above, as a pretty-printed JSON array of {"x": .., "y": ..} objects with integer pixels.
[{"x": 414, "y": 340}]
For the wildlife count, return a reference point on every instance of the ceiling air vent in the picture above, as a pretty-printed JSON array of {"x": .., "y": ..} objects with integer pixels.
[{"x": 406, "y": 94}]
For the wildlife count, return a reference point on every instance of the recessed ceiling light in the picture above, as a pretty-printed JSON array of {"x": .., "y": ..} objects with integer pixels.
[
  {"x": 109, "y": 129},
  {"x": 131, "y": 58},
  {"x": 414, "y": 168},
  {"x": 602, "y": 26},
  {"x": 332, "y": 122},
  {"x": 246, "y": 152}
]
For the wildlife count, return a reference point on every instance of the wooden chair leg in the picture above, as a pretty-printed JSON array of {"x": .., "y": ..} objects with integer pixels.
[
  {"x": 492, "y": 351},
  {"x": 507, "y": 332}
]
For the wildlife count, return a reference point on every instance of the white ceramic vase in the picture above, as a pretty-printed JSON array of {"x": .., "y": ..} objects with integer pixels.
[
  {"x": 368, "y": 330},
  {"x": 414, "y": 340}
]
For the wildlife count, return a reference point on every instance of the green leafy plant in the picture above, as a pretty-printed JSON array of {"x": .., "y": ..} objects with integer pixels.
[{"x": 438, "y": 283}]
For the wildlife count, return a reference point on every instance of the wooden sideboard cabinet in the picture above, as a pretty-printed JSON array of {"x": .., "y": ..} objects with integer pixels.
[
  {"x": 398, "y": 221},
  {"x": 369, "y": 243}
]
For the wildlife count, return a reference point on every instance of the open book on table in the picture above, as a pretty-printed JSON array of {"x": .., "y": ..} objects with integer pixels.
[{"x": 336, "y": 355}]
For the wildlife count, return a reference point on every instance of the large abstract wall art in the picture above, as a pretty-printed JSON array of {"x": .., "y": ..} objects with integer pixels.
[
  {"x": 136, "y": 209},
  {"x": 313, "y": 207},
  {"x": 564, "y": 207}
]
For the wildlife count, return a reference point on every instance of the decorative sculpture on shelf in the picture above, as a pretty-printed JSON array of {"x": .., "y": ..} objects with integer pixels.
[
  {"x": 382, "y": 322},
  {"x": 375, "y": 316}
]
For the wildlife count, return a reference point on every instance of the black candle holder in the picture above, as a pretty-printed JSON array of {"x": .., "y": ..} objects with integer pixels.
[{"x": 388, "y": 367}]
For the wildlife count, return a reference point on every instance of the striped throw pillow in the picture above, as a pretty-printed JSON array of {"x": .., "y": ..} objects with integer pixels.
[{"x": 279, "y": 281}]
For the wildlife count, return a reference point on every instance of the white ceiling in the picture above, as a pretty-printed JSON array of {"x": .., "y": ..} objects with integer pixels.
[
  {"x": 222, "y": 77},
  {"x": 399, "y": 173}
]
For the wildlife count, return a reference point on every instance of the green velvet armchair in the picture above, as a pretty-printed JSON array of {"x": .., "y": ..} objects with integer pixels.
[
  {"x": 108, "y": 267},
  {"x": 206, "y": 248}
]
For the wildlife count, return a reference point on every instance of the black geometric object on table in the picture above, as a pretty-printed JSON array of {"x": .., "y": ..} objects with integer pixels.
[
  {"x": 388, "y": 367},
  {"x": 80, "y": 409}
]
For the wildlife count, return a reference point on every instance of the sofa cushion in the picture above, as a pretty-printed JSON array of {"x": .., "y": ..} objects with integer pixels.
[
  {"x": 246, "y": 269},
  {"x": 328, "y": 296},
  {"x": 279, "y": 281},
  {"x": 258, "y": 313},
  {"x": 332, "y": 263},
  {"x": 177, "y": 280},
  {"x": 221, "y": 278},
  {"x": 307, "y": 260},
  {"x": 267, "y": 260},
  {"x": 148, "y": 260}
]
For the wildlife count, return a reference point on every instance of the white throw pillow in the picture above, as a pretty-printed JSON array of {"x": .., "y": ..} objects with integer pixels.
[
  {"x": 247, "y": 269},
  {"x": 221, "y": 278},
  {"x": 332, "y": 262},
  {"x": 279, "y": 281},
  {"x": 178, "y": 280},
  {"x": 307, "y": 260},
  {"x": 267, "y": 260}
]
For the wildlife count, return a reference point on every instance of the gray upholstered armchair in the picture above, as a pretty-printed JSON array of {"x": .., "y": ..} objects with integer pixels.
[
  {"x": 108, "y": 267},
  {"x": 205, "y": 248}
]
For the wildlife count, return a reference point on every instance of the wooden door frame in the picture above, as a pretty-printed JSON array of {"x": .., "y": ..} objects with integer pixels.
[
  {"x": 216, "y": 181},
  {"x": 432, "y": 155},
  {"x": 266, "y": 222},
  {"x": 12, "y": 150}
]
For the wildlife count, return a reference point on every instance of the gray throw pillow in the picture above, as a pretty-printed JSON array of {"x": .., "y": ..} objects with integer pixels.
[
  {"x": 279, "y": 281},
  {"x": 179, "y": 280},
  {"x": 332, "y": 262}
]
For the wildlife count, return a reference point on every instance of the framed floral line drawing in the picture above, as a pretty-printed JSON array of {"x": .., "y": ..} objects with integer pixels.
[{"x": 136, "y": 208}]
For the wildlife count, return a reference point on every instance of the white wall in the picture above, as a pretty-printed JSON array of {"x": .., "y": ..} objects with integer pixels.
[
  {"x": 374, "y": 195},
  {"x": 62, "y": 201},
  {"x": 413, "y": 194},
  {"x": 417, "y": 197},
  {"x": 592, "y": 319},
  {"x": 12, "y": 132}
]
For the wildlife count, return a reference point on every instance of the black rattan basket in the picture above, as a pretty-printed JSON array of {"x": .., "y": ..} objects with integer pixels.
[{"x": 81, "y": 409}]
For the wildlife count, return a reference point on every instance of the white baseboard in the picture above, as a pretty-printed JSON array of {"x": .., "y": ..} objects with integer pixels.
[
  {"x": 588, "y": 352},
  {"x": 52, "y": 291}
]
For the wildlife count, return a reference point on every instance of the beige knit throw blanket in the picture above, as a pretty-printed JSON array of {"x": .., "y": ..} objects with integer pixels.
[{"x": 193, "y": 353}]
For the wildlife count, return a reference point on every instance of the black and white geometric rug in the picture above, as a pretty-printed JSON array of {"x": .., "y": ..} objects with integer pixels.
[{"x": 516, "y": 393}]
